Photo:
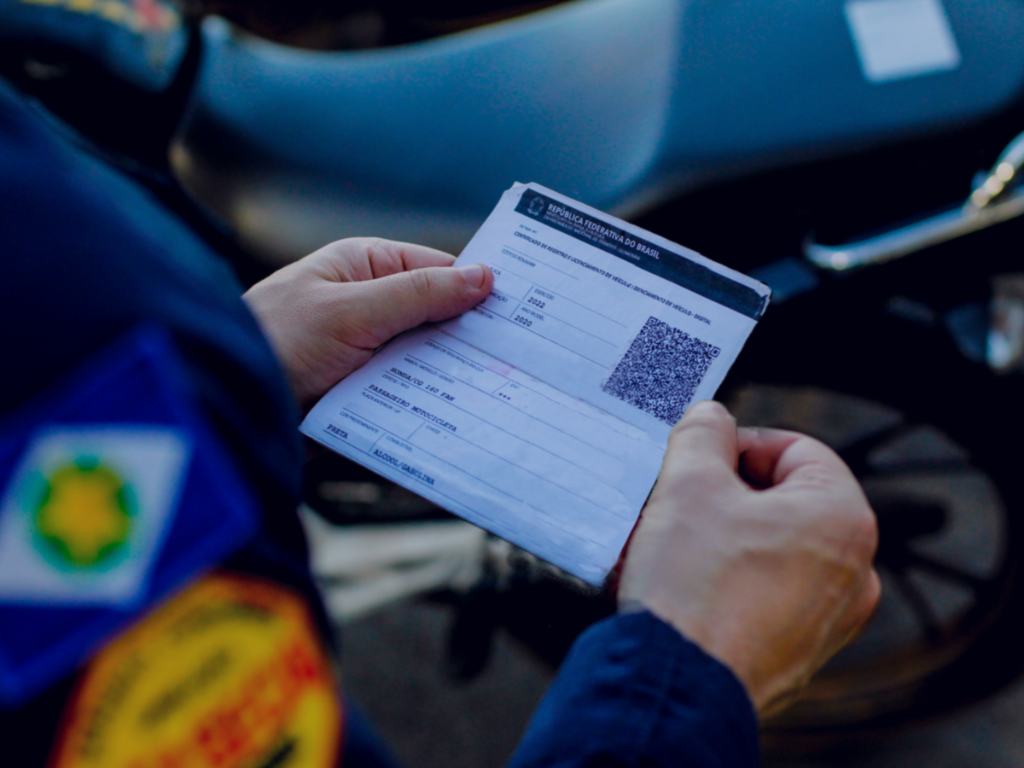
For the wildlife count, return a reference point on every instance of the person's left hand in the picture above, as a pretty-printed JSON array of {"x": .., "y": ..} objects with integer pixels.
[{"x": 327, "y": 313}]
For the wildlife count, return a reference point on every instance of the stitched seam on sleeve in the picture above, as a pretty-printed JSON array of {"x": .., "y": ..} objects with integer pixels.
[{"x": 661, "y": 694}]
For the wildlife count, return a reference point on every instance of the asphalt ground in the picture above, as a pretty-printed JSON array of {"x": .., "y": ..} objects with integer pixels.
[{"x": 393, "y": 665}]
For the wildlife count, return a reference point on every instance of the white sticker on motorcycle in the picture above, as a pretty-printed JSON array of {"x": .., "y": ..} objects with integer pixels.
[{"x": 897, "y": 39}]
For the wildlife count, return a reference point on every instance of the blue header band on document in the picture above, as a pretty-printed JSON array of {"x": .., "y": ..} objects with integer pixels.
[
  {"x": 655, "y": 259},
  {"x": 543, "y": 414}
]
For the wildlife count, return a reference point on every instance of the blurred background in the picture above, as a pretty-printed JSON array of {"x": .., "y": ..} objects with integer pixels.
[{"x": 859, "y": 156}]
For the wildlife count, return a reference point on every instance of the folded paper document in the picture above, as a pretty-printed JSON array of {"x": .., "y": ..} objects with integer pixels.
[{"x": 542, "y": 415}]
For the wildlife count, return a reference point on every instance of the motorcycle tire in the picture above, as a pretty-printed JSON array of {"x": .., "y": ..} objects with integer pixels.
[{"x": 931, "y": 436}]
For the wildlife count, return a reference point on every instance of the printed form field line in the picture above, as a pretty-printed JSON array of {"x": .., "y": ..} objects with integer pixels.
[
  {"x": 534, "y": 288},
  {"x": 547, "y": 314},
  {"x": 494, "y": 522},
  {"x": 504, "y": 402},
  {"x": 563, "y": 297},
  {"x": 492, "y": 314},
  {"x": 437, "y": 370},
  {"x": 387, "y": 432},
  {"x": 424, "y": 420},
  {"x": 520, "y": 411},
  {"x": 455, "y": 504},
  {"x": 443, "y": 461},
  {"x": 542, "y": 262},
  {"x": 368, "y": 454}
]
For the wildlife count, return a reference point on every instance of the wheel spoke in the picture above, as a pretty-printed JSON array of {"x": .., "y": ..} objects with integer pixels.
[
  {"x": 946, "y": 571},
  {"x": 919, "y": 605},
  {"x": 922, "y": 467},
  {"x": 856, "y": 453}
]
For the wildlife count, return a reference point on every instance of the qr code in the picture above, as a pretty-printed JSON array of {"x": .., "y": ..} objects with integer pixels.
[{"x": 661, "y": 370}]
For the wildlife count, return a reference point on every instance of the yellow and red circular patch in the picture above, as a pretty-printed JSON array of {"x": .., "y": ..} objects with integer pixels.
[{"x": 229, "y": 674}]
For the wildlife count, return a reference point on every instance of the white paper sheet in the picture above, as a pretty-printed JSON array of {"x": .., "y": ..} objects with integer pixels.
[{"x": 543, "y": 414}]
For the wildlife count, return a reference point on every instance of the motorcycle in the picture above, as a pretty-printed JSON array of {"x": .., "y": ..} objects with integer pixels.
[{"x": 859, "y": 157}]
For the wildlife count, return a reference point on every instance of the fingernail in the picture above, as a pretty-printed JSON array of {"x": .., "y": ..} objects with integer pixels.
[
  {"x": 474, "y": 274},
  {"x": 707, "y": 406}
]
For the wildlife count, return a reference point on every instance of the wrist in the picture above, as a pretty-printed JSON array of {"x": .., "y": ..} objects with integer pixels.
[{"x": 715, "y": 642}]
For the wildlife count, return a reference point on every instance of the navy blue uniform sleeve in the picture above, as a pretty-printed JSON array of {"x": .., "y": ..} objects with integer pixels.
[
  {"x": 634, "y": 692},
  {"x": 88, "y": 255}
]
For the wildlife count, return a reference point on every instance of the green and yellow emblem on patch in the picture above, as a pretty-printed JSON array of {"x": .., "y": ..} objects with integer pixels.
[{"x": 84, "y": 516}]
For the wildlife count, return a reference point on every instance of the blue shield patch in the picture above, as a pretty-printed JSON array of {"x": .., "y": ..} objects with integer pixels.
[{"x": 113, "y": 492}]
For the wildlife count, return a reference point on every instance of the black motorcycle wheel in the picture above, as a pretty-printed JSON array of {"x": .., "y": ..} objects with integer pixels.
[{"x": 932, "y": 438}]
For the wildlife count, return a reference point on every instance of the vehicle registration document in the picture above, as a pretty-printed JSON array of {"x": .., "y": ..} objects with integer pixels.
[{"x": 543, "y": 414}]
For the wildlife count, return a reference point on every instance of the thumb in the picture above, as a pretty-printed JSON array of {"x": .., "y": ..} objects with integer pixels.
[
  {"x": 704, "y": 438},
  {"x": 389, "y": 305}
]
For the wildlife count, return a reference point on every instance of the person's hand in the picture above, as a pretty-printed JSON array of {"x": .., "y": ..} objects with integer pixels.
[
  {"x": 757, "y": 545},
  {"x": 327, "y": 313}
]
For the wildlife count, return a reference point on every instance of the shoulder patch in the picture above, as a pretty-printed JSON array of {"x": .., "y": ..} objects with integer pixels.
[
  {"x": 85, "y": 512},
  {"x": 112, "y": 492},
  {"x": 248, "y": 684}
]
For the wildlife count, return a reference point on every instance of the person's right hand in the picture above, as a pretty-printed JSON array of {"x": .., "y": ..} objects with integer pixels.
[{"x": 757, "y": 545}]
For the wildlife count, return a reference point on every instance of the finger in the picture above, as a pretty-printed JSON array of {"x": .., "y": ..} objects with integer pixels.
[
  {"x": 389, "y": 305},
  {"x": 770, "y": 456},
  {"x": 389, "y": 258},
  {"x": 357, "y": 259},
  {"x": 760, "y": 450},
  {"x": 706, "y": 435}
]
